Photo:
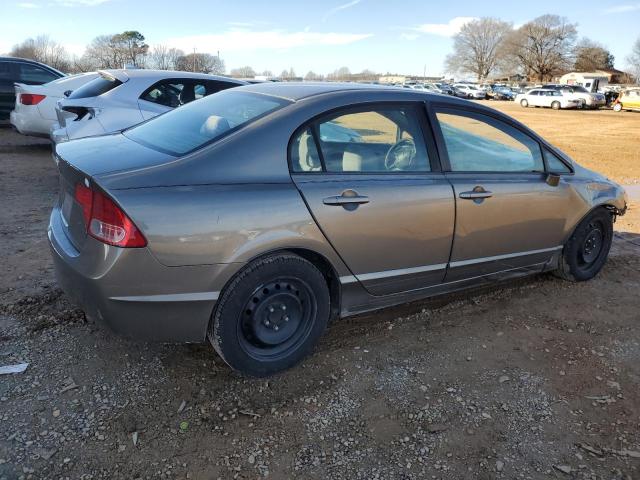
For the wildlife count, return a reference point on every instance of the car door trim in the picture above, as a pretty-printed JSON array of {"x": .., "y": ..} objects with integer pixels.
[
  {"x": 473, "y": 261},
  {"x": 364, "y": 277}
]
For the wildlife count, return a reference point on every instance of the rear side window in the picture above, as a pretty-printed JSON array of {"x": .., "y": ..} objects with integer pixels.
[
  {"x": 170, "y": 93},
  {"x": 380, "y": 140},
  {"x": 479, "y": 143},
  {"x": 188, "y": 128},
  {"x": 34, "y": 74},
  {"x": 95, "y": 87}
]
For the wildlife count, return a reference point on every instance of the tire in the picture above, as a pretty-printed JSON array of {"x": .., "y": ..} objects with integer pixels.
[
  {"x": 271, "y": 315},
  {"x": 555, "y": 105},
  {"x": 617, "y": 107},
  {"x": 586, "y": 251},
  {"x": 524, "y": 103}
]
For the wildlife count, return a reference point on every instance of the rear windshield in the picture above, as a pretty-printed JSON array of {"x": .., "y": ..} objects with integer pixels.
[
  {"x": 95, "y": 87},
  {"x": 195, "y": 124}
]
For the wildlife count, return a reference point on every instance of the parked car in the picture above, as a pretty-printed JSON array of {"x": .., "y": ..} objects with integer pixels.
[
  {"x": 118, "y": 99},
  {"x": 35, "y": 108},
  {"x": 232, "y": 219},
  {"x": 502, "y": 93},
  {"x": 585, "y": 97},
  {"x": 445, "y": 88},
  {"x": 628, "y": 99},
  {"x": 541, "y": 97},
  {"x": 464, "y": 90},
  {"x": 24, "y": 71}
]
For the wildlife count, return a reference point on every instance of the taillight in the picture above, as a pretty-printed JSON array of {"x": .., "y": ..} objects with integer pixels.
[
  {"x": 31, "y": 98},
  {"x": 105, "y": 221}
]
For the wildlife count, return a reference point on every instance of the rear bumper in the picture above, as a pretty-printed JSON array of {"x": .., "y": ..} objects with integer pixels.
[
  {"x": 30, "y": 124},
  {"x": 58, "y": 134},
  {"x": 131, "y": 292}
]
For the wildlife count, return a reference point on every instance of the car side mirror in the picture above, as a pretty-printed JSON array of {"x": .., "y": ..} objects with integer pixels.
[
  {"x": 67, "y": 93},
  {"x": 553, "y": 179}
]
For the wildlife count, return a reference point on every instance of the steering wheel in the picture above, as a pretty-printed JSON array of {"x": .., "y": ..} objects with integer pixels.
[{"x": 401, "y": 155}]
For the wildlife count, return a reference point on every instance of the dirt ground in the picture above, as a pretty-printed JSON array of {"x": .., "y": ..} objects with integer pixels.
[{"x": 534, "y": 379}]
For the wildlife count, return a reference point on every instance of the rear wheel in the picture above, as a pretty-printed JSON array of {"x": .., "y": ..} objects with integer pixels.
[
  {"x": 586, "y": 252},
  {"x": 555, "y": 105},
  {"x": 524, "y": 103},
  {"x": 617, "y": 107},
  {"x": 271, "y": 315}
]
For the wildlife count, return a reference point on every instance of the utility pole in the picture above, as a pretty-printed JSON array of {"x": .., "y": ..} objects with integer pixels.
[{"x": 194, "y": 59}]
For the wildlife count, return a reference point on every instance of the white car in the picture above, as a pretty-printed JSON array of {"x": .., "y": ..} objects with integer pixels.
[
  {"x": 469, "y": 91},
  {"x": 35, "y": 109},
  {"x": 118, "y": 99},
  {"x": 542, "y": 97},
  {"x": 585, "y": 97}
]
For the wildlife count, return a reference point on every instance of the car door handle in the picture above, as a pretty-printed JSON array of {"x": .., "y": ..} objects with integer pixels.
[
  {"x": 475, "y": 194},
  {"x": 344, "y": 200}
]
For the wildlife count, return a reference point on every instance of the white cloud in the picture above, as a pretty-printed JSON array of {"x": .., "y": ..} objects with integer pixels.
[
  {"x": 409, "y": 36},
  {"x": 28, "y": 5},
  {"x": 238, "y": 40},
  {"x": 630, "y": 7},
  {"x": 344, "y": 6},
  {"x": 448, "y": 29}
]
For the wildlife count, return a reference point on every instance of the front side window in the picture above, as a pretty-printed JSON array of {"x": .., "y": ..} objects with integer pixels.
[
  {"x": 554, "y": 164},
  {"x": 33, "y": 74},
  {"x": 188, "y": 128},
  {"x": 478, "y": 143}
]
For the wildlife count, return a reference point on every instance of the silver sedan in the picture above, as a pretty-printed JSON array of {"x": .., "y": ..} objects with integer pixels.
[
  {"x": 254, "y": 216},
  {"x": 118, "y": 99}
]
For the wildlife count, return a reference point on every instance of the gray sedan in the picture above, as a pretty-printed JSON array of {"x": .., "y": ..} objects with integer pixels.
[{"x": 255, "y": 215}]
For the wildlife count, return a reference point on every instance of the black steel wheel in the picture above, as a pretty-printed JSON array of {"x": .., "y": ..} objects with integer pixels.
[
  {"x": 271, "y": 315},
  {"x": 586, "y": 252}
]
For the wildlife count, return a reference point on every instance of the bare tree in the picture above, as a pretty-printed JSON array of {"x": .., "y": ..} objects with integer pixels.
[
  {"x": 119, "y": 50},
  {"x": 267, "y": 73},
  {"x": 165, "y": 58},
  {"x": 200, "y": 62},
  {"x": 590, "y": 56},
  {"x": 43, "y": 49},
  {"x": 341, "y": 74},
  {"x": 312, "y": 76},
  {"x": 243, "y": 72},
  {"x": 634, "y": 59},
  {"x": 543, "y": 46},
  {"x": 477, "y": 47}
]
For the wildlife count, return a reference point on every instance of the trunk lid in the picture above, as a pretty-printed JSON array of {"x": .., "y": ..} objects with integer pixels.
[{"x": 96, "y": 156}]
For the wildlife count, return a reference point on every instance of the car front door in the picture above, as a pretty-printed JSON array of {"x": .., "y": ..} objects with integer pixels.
[
  {"x": 508, "y": 217},
  {"x": 375, "y": 190}
]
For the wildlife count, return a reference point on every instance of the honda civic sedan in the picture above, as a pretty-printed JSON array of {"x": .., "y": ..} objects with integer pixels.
[{"x": 235, "y": 219}]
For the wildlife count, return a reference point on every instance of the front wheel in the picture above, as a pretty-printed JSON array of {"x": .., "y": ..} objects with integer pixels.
[
  {"x": 586, "y": 252},
  {"x": 524, "y": 103},
  {"x": 271, "y": 315},
  {"x": 617, "y": 107}
]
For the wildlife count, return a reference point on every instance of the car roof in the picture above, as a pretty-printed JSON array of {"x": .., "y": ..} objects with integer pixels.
[
  {"x": 160, "y": 74},
  {"x": 27, "y": 60},
  {"x": 295, "y": 91}
]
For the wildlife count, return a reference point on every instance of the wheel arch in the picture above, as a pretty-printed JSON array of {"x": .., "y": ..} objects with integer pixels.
[
  {"x": 321, "y": 262},
  {"x": 609, "y": 207}
]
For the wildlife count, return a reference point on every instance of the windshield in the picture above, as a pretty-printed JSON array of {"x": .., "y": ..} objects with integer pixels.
[
  {"x": 191, "y": 126},
  {"x": 580, "y": 90}
]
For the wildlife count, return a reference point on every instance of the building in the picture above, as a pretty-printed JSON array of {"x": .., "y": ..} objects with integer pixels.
[{"x": 595, "y": 80}]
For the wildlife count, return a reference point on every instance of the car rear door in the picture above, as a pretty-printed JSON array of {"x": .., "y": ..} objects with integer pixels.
[
  {"x": 8, "y": 75},
  {"x": 375, "y": 188},
  {"x": 507, "y": 216}
]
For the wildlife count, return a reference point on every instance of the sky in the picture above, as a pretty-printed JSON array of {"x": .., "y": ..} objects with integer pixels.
[{"x": 408, "y": 37}]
